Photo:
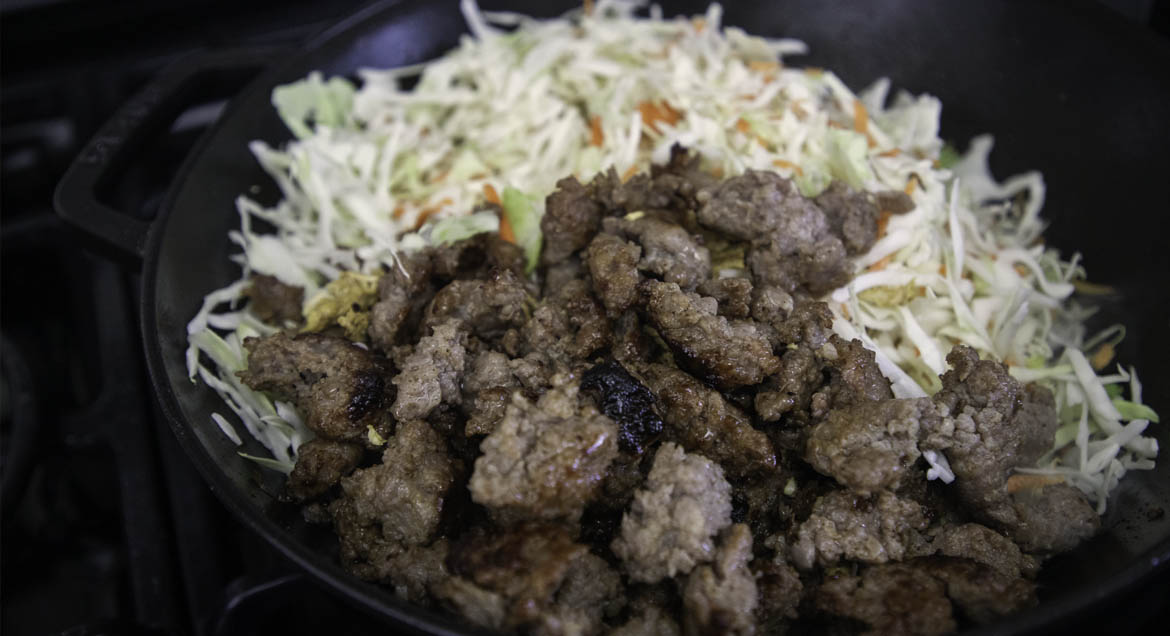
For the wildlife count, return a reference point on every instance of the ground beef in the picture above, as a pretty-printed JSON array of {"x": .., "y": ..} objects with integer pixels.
[
  {"x": 652, "y": 621},
  {"x": 485, "y": 307},
  {"x": 699, "y": 419},
  {"x": 669, "y": 252},
  {"x": 273, "y": 301},
  {"x": 533, "y": 577},
  {"x": 996, "y": 425},
  {"x": 403, "y": 293},
  {"x": 339, "y": 387},
  {"x": 613, "y": 266},
  {"x": 670, "y": 527},
  {"x": 727, "y": 354},
  {"x": 852, "y": 216},
  {"x": 733, "y": 294},
  {"x": 475, "y": 257},
  {"x": 846, "y": 525},
  {"x": 568, "y": 327},
  {"x": 983, "y": 545},
  {"x": 570, "y": 220},
  {"x": 1051, "y": 519},
  {"x": 854, "y": 376},
  {"x": 487, "y": 391},
  {"x": 432, "y": 374},
  {"x": 789, "y": 391},
  {"x": 321, "y": 463},
  {"x": 780, "y": 592},
  {"x": 871, "y": 446},
  {"x": 396, "y": 505},
  {"x": 721, "y": 598},
  {"x": 413, "y": 572},
  {"x": 892, "y": 599},
  {"x": 979, "y": 592},
  {"x": 544, "y": 461}
]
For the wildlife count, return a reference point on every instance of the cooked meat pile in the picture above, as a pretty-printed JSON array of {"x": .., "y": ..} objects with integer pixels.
[{"x": 649, "y": 436}]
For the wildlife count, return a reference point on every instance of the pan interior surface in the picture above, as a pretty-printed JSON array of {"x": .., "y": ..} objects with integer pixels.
[{"x": 1067, "y": 89}]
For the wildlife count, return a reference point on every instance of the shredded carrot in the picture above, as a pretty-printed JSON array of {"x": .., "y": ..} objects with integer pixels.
[
  {"x": 815, "y": 71},
  {"x": 892, "y": 152},
  {"x": 1102, "y": 357},
  {"x": 631, "y": 171},
  {"x": 596, "y": 135},
  {"x": 588, "y": 7},
  {"x": 653, "y": 113},
  {"x": 880, "y": 265},
  {"x": 799, "y": 111},
  {"x": 780, "y": 163},
  {"x": 763, "y": 66},
  {"x": 398, "y": 212},
  {"x": 700, "y": 24},
  {"x": 742, "y": 126},
  {"x": 506, "y": 231},
  {"x": 942, "y": 269},
  {"x": 833, "y": 124},
  {"x": 860, "y": 117},
  {"x": 1019, "y": 482},
  {"x": 489, "y": 193},
  {"x": 441, "y": 176},
  {"x": 922, "y": 291},
  {"x": 883, "y": 222},
  {"x": 717, "y": 171},
  {"x": 911, "y": 184},
  {"x": 1022, "y": 270},
  {"x": 431, "y": 211}
]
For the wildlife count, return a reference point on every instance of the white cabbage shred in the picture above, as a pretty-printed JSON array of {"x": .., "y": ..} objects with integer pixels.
[{"x": 521, "y": 103}]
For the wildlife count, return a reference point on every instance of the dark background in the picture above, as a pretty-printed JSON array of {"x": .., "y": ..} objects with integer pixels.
[{"x": 106, "y": 528}]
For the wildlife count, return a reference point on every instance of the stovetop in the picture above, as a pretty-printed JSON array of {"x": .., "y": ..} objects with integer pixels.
[{"x": 107, "y": 528}]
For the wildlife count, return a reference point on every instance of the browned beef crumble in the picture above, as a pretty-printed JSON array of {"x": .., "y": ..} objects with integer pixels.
[{"x": 628, "y": 442}]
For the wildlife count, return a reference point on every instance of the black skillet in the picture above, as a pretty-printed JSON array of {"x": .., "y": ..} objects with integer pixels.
[{"x": 1067, "y": 87}]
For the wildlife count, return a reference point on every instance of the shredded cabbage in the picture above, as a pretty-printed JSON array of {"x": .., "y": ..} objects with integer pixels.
[{"x": 521, "y": 103}]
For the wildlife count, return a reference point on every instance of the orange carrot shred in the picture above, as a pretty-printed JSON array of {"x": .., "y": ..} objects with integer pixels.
[
  {"x": 653, "y": 113},
  {"x": 431, "y": 211},
  {"x": 631, "y": 171},
  {"x": 763, "y": 66},
  {"x": 883, "y": 222},
  {"x": 489, "y": 193},
  {"x": 892, "y": 152},
  {"x": 699, "y": 24},
  {"x": 860, "y": 117},
  {"x": 942, "y": 269},
  {"x": 588, "y": 7},
  {"x": 781, "y": 163},
  {"x": 398, "y": 212},
  {"x": 506, "y": 231},
  {"x": 1102, "y": 356},
  {"x": 880, "y": 265},
  {"x": 911, "y": 184},
  {"x": 742, "y": 126},
  {"x": 1016, "y": 483},
  {"x": 1022, "y": 269},
  {"x": 596, "y": 135}
]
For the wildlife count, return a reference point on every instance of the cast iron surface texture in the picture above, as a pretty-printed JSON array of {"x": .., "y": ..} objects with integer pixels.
[{"x": 1068, "y": 88}]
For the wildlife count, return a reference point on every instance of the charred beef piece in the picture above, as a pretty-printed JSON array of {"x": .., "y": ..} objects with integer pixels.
[
  {"x": 727, "y": 354},
  {"x": 721, "y": 598},
  {"x": 432, "y": 373},
  {"x": 846, "y": 525},
  {"x": 669, "y": 252},
  {"x": 627, "y": 402},
  {"x": 533, "y": 578},
  {"x": 321, "y": 463},
  {"x": 273, "y": 301},
  {"x": 396, "y": 505},
  {"x": 613, "y": 266},
  {"x": 340, "y": 387},
  {"x": 544, "y": 461},
  {"x": 670, "y": 527},
  {"x": 701, "y": 421}
]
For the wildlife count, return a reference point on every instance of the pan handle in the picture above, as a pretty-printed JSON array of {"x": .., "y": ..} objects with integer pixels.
[{"x": 106, "y": 156}]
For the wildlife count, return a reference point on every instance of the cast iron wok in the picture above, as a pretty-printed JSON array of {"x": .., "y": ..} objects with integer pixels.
[{"x": 1068, "y": 88}]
